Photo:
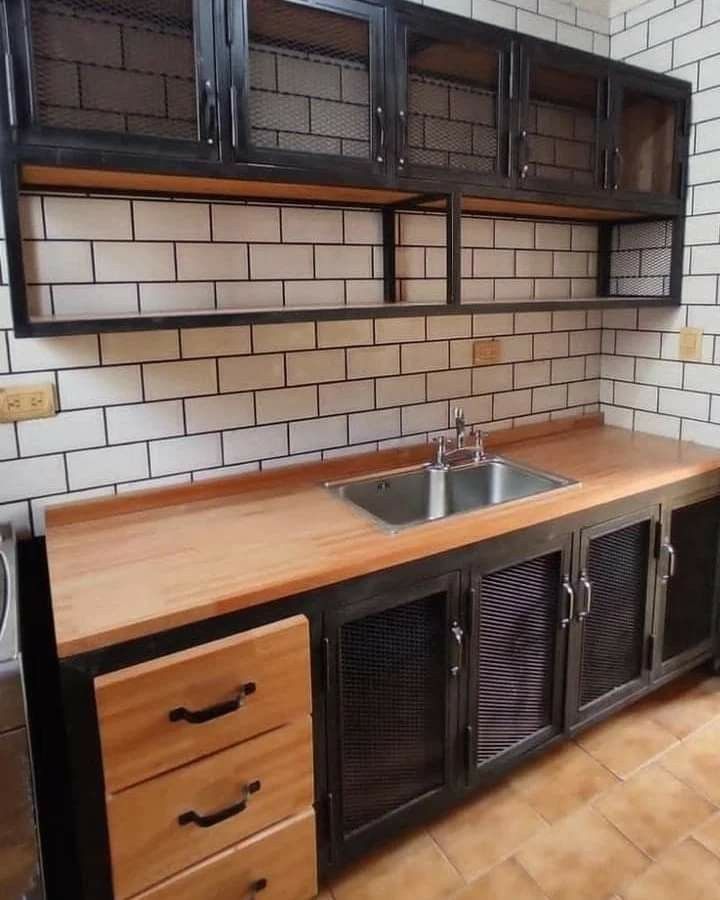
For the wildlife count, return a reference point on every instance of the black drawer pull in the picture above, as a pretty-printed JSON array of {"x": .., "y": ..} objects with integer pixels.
[
  {"x": 191, "y": 817},
  {"x": 199, "y": 716}
]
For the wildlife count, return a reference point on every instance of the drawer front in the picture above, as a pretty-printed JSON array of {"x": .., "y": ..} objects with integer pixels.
[
  {"x": 168, "y": 823},
  {"x": 162, "y": 714},
  {"x": 278, "y": 864}
]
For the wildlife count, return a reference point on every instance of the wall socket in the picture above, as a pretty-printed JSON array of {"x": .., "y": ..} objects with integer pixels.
[
  {"x": 27, "y": 402},
  {"x": 690, "y": 344},
  {"x": 486, "y": 352}
]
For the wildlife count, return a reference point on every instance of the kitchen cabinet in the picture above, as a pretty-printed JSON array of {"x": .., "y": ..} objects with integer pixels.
[
  {"x": 453, "y": 86},
  {"x": 615, "y": 590},
  {"x": 393, "y": 662},
  {"x": 126, "y": 75},
  {"x": 520, "y": 610},
  {"x": 308, "y": 82},
  {"x": 687, "y": 595}
]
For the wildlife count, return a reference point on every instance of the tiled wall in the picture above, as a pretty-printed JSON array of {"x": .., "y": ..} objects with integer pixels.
[
  {"x": 644, "y": 384},
  {"x": 172, "y": 406}
]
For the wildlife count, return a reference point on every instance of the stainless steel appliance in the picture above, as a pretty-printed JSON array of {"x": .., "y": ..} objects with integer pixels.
[{"x": 20, "y": 866}]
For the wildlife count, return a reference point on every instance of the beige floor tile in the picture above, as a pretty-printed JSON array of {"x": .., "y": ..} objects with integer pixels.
[
  {"x": 507, "y": 881},
  {"x": 684, "y": 707},
  {"x": 486, "y": 830},
  {"x": 413, "y": 867},
  {"x": 582, "y": 856},
  {"x": 709, "y": 835},
  {"x": 627, "y": 741},
  {"x": 654, "y": 809},
  {"x": 696, "y": 761},
  {"x": 561, "y": 781},
  {"x": 686, "y": 872}
]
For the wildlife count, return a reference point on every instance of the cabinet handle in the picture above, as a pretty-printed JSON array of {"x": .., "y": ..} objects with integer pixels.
[
  {"x": 380, "y": 116},
  {"x": 618, "y": 165},
  {"x": 570, "y": 594},
  {"x": 10, "y": 84},
  {"x": 234, "y": 136},
  {"x": 670, "y": 550},
  {"x": 523, "y": 154},
  {"x": 200, "y": 716},
  {"x": 587, "y": 599},
  {"x": 402, "y": 115},
  {"x": 209, "y": 108},
  {"x": 222, "y": 815},
  {"x": 606, "y": 167},
  {"x": 229, "y": 22},
  {"x": 457, "y": 647}
]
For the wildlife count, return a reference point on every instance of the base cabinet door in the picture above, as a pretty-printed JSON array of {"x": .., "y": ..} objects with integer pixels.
[
  {"x": 686, "y": 610},
  {"x": 520, "y": 609},
  {"x": 610, "y": 631},
  {"x": 393, "y": 664}
]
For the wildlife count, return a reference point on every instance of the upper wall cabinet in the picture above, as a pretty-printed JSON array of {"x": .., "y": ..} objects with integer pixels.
[
  {"x": 453, "y": 90},
  {"x": 561, "y": 130},
  {"x": 649, "y": 137},
  {"x": 307, "y": 83},
  {"x": 124, "y": 75}
]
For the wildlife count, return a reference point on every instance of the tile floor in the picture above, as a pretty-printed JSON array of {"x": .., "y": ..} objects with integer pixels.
[{"x": 628, "y": 811}]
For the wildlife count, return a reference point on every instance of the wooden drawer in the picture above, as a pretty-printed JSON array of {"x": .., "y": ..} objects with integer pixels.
[
  {"x": 281, "y": 861},
  {"x": 168, "y": 823},
  {"x": 162, "y": 714}
]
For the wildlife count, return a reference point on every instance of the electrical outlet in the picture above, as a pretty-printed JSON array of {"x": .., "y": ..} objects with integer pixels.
[
  {"x": 27, "y": 402},
  {"x": 690, "y": 344},
  {"x": 486, "y": 352}
]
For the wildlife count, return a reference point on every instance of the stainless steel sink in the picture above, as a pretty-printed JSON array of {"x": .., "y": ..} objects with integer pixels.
[{"x": 427, "y": 493}]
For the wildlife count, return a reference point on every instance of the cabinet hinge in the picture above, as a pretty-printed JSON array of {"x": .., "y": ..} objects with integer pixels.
[
  {"x": 326, "y": 664},
  {"x": 657, "y": 545},
  {"x": 650, "y": 650}
]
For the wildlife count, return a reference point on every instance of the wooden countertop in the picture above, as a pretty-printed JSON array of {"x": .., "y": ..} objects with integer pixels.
[{"x": 132, "y": 566}]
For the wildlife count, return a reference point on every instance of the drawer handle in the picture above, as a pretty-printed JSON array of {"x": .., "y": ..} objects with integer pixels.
[
  {"x": 191, "y": 817},
  {"x": 258, "y": 886},
  {"x": 199, "y": 716}
]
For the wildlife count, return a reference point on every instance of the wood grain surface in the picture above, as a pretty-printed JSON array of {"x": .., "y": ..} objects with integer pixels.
[{"x": 121, "y": 571}]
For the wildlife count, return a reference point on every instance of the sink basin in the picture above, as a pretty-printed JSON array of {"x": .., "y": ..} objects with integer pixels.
[{"x": 427, "y": 493}]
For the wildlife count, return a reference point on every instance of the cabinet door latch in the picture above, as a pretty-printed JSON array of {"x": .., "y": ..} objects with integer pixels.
[{"x": 456, "y": 648}]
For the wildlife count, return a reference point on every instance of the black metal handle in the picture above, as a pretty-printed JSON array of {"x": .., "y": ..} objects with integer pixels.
[
  {"x": 670, "y": 552},
  {"x": 523, "y": 154},
  {"x": 570, "y": 594},
  {"x": 10, "y": 84},
  {"x": 234, "y": 127},
  {"x": 457, "y": 635},
  {"x": 618, "y": 166},
  {"x": 200, "y": 716},
  {"x": 193, "y": 818},
  {"x": 402, "y": 154},
  {"x": 209, "y": 106},
  {"x": 586, "y": 585},
  {"x": 380, "y": 117}
]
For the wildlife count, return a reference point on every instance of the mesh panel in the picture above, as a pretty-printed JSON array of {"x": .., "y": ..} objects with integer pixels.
[
  {"x": 641, "y": 259},
  {"x": 121, "y": 66},
  {"x": 515, "y": 653},
  {"x": 613, "y": 633},
  {"x": 452, "y": 105},
  {"x": 393, "y": 677},
  {"x": 309, "y": 79},
  {"x": 690, "y": 600}
]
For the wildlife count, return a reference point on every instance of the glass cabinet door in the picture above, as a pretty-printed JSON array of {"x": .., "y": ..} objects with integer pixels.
[
  {"x": 559, "y": 133},
  {"x": 645, "y": 151},
  {"x": 452, "y": 115},
  {"x": 134, "y": 72},
  {"x": 312, "y": 84}
]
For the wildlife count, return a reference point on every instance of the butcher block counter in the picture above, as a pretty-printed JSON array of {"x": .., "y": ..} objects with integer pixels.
[{"x": 133, "y": 566}]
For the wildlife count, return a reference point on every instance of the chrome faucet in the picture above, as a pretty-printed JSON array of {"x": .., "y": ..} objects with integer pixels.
[
  {"x": 445, "y": 455},
  {"x": 459, "y": 414}
]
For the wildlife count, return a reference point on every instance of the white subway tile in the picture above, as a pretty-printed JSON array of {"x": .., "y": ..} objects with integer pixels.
[
  {"x": 531, "y": 374},
  {"x": 489, "y": 324},
  {"x": 421, "y": 229},
  {"x": 251, "y": 372},
  {"x": 343, "y": 262},
  {"x": 658, "y": 371},
  {"x": 477, "y": 232},
  {"x": 285, "y": 404},
  {"x": 304, "y": 226},
  {"x": 24, "y": 478},
  {"x": 705, "y": 317},
  {"x": 367, "y": 362},
  {"x": 8, "y": 444},
  {"x": 286, "y": 336},
  {"x": 637, "y": 396},
  {"x": 451, "y": 326},
  {"x": 283, "y": 261},
  {"x": 696, "y": 45},
  {"x": 157, "y": 220},
  {"x": 550, "y": 397},
  {"x": 490, "y": 379},
  {"x": 31, "y": 219},
  {"x": 249, "y": 294},
  {"x": 196, "y": 262},
  {"x": 47, "y": 262},
  {"x": 96, "y": 300},
  {"x": 668, "y": 25},
  {"x": 228, "y": 340},
  {"x": 85, "y": 388},
  {"x": 78, "y": 218},
  {"x": 164, "y": 381},
  {"x": 245, "y": 223},
  {"x": 529, "y": 23},
  {"x": 374, "y": 426},
  {"x": 318, "y": 434},
  {"x": 222, "y": 471},
  {"x": 494, "y": 13},
  {"x": 255, "y": 443},
  {"x": 652, "y": 423},
  {"x": 513, "y": 403},
  {"x": 447, "y": 385},
  {"x": 400, "y": 390},
  {"x": 220, "y": 412},
  {"x": 345, "y": 396},
  {"x": 567, "y": 369},
  {"x": 363, "y": 226},
  {"x": 526, "y": 322},
  {"x": 583, "y": 392},
  {"x": 394, "y": 331},
  {"x": 172, "y": 296},
  {"x": 298, "y": 459},
  {"x": 108, "y": 465},
  {"x": 424, "y": 357},
  {"x": 584, "y": 342},
  {"x": 494, "y": 263},
  {"x": 184, "y": 454},
  {"x": 700, "y": 433},
  {"x": 424, "y": 417},
  {"x": 149, "y": 261},
  {"x": 315, "y": 366},
  {"x": 552, "y": 344},
  {"x": 579, "y": 38},
  {"x": 139, "y": 346},
  {"x": 662, "y": 319},
  {"x": 144, "y": 421},
  {"x": 569, "y": 320},
  {"x": 40, "y": 505},
  {"x": 66, "y": 431},
  {"x": 632, "y": 40},
  {"x": 18, "y": 516},
  {"x": 345, "y": 333},
  {"x": 67, "y": 352},
  {"x": 701, "y": 377},
  {"x": 314, "y": 293},
  {"x": 637, "y": 343},
  {"x": 145, "y": 484},
  {"x": 585, "y": 237},
  {"x": 687, "y": 404}
]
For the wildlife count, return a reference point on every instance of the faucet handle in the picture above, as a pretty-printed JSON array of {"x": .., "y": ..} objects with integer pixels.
[
  {"x": 440, "y": 444},
  {"x": 479, "y": 436},
  {"x": 458, "y": 413}
]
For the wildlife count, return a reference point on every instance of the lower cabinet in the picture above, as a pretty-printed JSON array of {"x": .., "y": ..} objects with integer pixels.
[
  {"x": 686, "y": 607},
  {"x": 614, "y": 594},
  {"x": 394, "y": 662}
]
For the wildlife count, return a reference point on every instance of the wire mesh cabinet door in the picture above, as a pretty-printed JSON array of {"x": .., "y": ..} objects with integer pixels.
[
  {"x": 687, "y": 584},
  {"x": 519, "y": 618},
  {"x": 308, "y": 83},
  {"x": 453, "y": 85},
  {"x": 394, "y": 662},
  {"x": 610, "y": 631},
  {"x": 125, "y": 75}
]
